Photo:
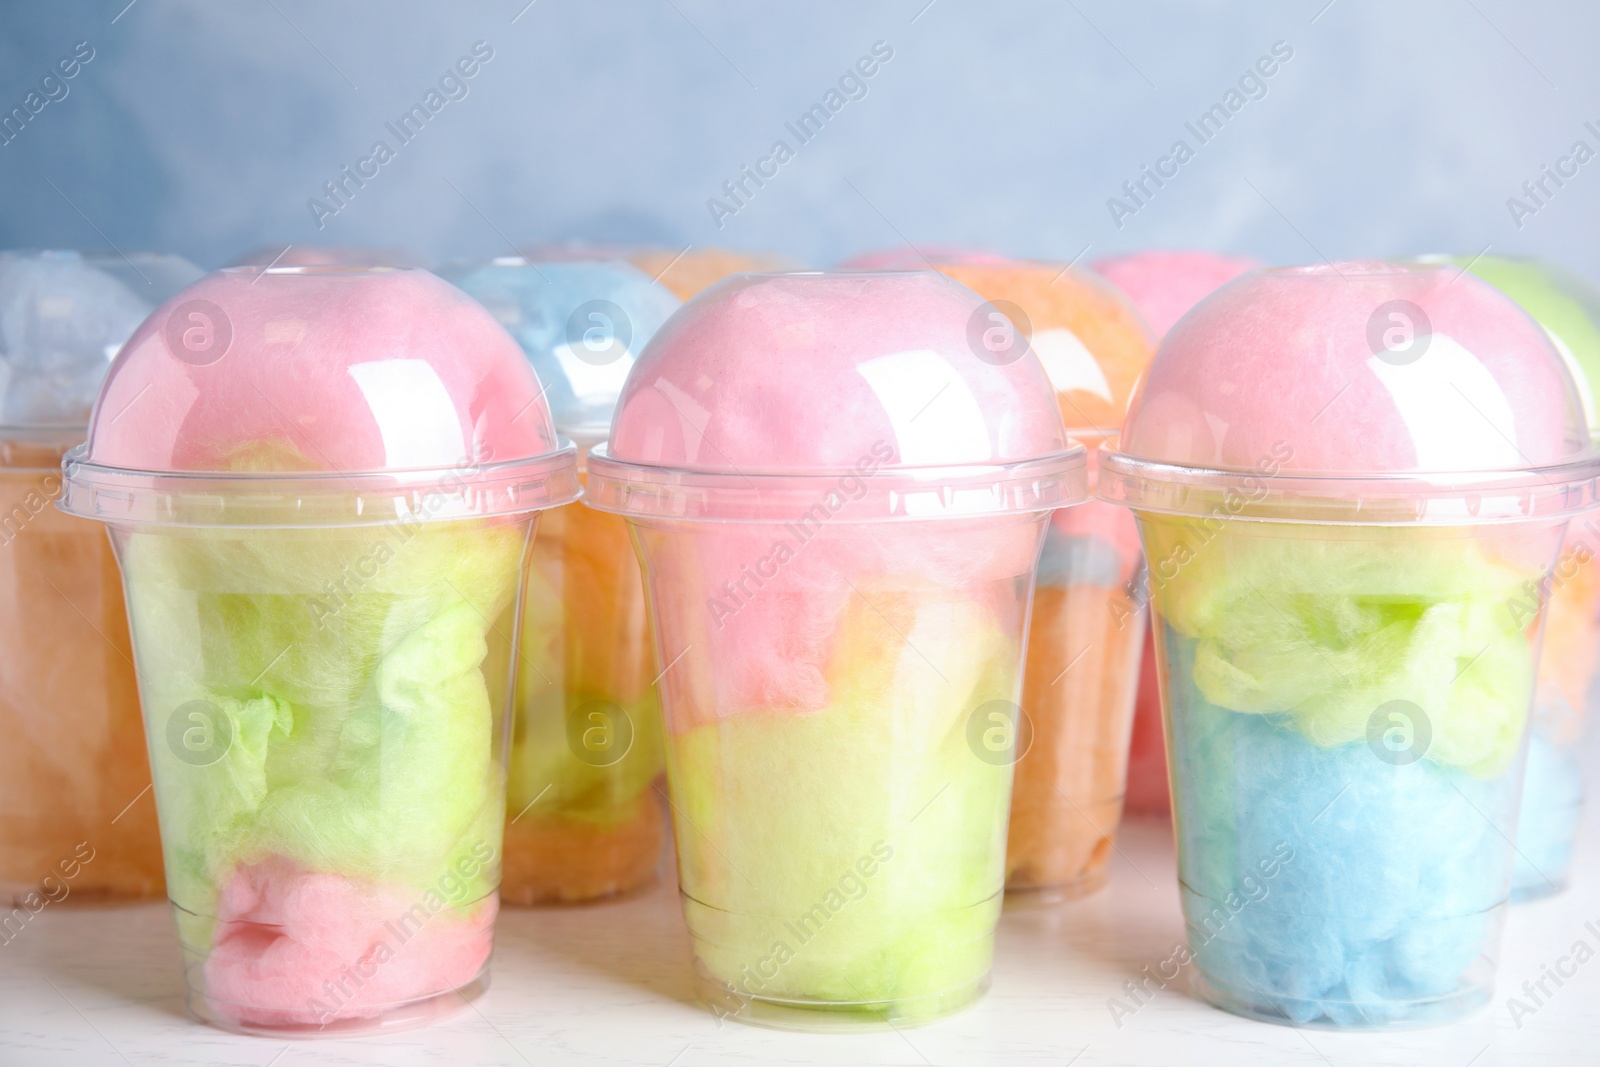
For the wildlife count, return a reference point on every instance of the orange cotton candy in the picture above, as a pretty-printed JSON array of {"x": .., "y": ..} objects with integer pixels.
[{"x": 76, "y": 820}]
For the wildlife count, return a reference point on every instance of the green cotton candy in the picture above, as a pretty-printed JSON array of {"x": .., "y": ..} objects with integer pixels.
[
  {"x": 554, "y": 708},
  {"x": 855, "y": 854},
  {"x": 347, "y": 676},
  {"x": 1566, "y": 306},
  {"x": 1323, "y": 627}
]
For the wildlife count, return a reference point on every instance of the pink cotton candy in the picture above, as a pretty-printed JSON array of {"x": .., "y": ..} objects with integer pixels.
[
  {"x": 823, "y": 371},
  {"x": 1165, "y": 285},
  {"x": 1288, "y": 369},
  {"x": 920, "y": 258},
  {"x": 305, "y": 948},
  {"x": 317, "y": 369},
  {"x": 849, "y": 378}
]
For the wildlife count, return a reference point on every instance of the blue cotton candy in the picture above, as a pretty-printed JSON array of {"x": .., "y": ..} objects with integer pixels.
[
  {"x": 1079, "y": 559},
  {"x": 1328, "y": 885},
  {"x": 580, "y": 323},
  {"x": 1552, "y": 800}
]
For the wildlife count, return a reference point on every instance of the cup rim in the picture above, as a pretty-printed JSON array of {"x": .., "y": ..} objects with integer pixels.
[
  {"x": 1547, "y": 492},
  {"x": 642, "y": 490},
  {"x": 126, "y": 496}
]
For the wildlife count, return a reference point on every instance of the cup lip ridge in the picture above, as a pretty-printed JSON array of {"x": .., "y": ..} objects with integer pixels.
[
  {"x": 642, "y": 490},
  {"x": 1547, "y": 492},
  {"x": 129, "y": 496}
]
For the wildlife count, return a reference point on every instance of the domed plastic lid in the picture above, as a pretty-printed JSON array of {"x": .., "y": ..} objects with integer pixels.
[
  {"x": 1165, "y": 285},
  {"x": 1363, "y": 392},
  {"x": 580, "y": 323},
  {"x": 871, "y": 395},
  {"x": 1567, "y": 306},
  {"x": 1088, "y": 336},
  {"x": 689, "y": 271},
  {"x": 63, "y": 317},
  {"x": 318, "y": 396}
]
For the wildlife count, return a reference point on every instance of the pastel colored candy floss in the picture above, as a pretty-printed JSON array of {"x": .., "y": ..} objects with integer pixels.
[
  {"x": 839, "y": 843},
  {"x": 1356, "y": 693},
  {"x": 1302, "y": 883},
  {"x": 1164, "y": 285},
  {"x": 343, "y": 682}
]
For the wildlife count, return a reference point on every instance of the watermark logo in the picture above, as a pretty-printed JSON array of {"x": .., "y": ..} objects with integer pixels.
[
  {"x": 1399, "y": 733},
  {"x": 199, "y": 332},
  {"x": 199, "y": 733},
  {"x": 599, "y": 732},
  {"x": 999, "y": 732},
  {"x": 599, "y": 332},
  {"x": 1399, "y": 332},
  {"x": 998, "y": 332}
]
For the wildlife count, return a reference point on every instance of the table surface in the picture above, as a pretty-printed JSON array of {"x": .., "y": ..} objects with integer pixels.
[{"x": 611, "y": 984}]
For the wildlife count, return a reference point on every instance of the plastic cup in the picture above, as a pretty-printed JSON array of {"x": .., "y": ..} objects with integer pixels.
[
  {"x": 584, "y": 821},
  {"x": 1345, "y": 477},
  {"x": 1164, "y": 285},
  {"x": 73, "y": 778},
  {"x": 1088, "y": 608},
  {"x": 1553, "y": 795},
  {"x": 320, "y": 484},
  {"x": 838, "y": 505}
]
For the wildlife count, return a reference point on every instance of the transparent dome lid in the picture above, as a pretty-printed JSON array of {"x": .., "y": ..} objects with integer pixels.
[
  {"x": 1566, "y": 305},
  {"x": 874, "y": 392},
  {"x": 292, "y": 255},
  {"x": 318, "y": 396},
  {"x": 64, "y": 315},
  {"x": 1089, "y": 337},
  {"x": 1165, "y": 285},
  {"x": 581, "y": 323},
  {"x": 1355, "y": 392}
]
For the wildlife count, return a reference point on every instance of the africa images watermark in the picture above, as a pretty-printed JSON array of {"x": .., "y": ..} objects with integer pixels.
[
  {"x": 1536, "y": 992},
  {"x": 1252, "y": 85},
  {"x": 852, "y": 85},
  {"x": 450, "y": 890},
  {"x": 849, "y": 888},
  {"x": 54, "y": 887},
  {"x": 453, "y": 85},
  {"x": 1537, "y": 192},
  {"x": 1255, "y": 889},
  {"x": 354, "y": 576},
  {"x": 52, "y": 89},
  {"x": 1254, "y": 489},
  {"x": 849, "y": 487}
]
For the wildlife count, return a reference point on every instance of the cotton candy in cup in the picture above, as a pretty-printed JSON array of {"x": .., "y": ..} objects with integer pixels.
[
  {"x": 584, "y": 821},
  {"x": 77, "y": 826},
  {"x": 1164, "y": 285},
  {"x": 1346, "y": 476},
  {"x": 1088, "y": 620},
  {"x": 1552, "y": 801},
  {"x": 838, "y": 503},
  {"x": 320, "y": 485}
]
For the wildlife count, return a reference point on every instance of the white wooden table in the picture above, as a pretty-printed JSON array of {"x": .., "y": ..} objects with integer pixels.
[{"x": 610, "y": 984}]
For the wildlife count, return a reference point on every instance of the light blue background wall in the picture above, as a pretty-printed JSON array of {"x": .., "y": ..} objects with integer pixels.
[{"x": 1396, "y": 127}]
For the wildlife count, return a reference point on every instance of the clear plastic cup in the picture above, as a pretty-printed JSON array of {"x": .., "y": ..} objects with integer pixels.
[
  {"x": 320, "y": 484},
  {"x": 1088, "y": 606},
  {"x": 1164, "y": 285},
  {"x": 75, "y": 824},
  {"x": 1553, "y": 795},
  {"x": 838, "y": 500},
  {"x": 1345, "y": 477},
  {"x": 584, "y": 820}
]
